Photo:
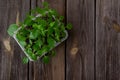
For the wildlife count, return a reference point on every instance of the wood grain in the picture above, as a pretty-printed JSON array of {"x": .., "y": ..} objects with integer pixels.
[
  {"x": 55, "y": 70},
  {"x": 11, "y": 67},
  {"x": 80, "y": 45},
  {"x": 107, "y": 40},
  {"x": 92, "y": 51}
]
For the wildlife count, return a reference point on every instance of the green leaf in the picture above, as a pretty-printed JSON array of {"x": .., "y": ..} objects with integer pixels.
[
  {"x": 63, "y": 34},
  {"x": 44, "y": 49},
  {"x": 61, "y": 18},
  {"x": 39, "y": 27},
  {"x": 31, "y": 54},
  {"x": 20, "y": 37},
  {"x": 35, "y": 26},
  {"x": 62, "y": 27},
  {"x": 35, "y": 47},
  {"x": 24, "y": 32},
  {"x": 53, "y": 53},
  {"x": 42, "y": 12},
  {"x": 39, "y": 52},
  {"x": 25, "y": 60},
  {"x": 56, "y": 24},
  {"x": 22, "y": 43},
  {"x": 46, "y": 59},
  {"x": 41, "y": 21},
  {"x": 57, "y": 34},
  {"x": 52, "y": 24},
  {"x": 37, "y": 44},
  {"x": 53, "y": 12},
  {"x": 34, "y": 34},
  {"x": 50, "y": 31},
  {"x": 30, "y": 41},
  {"x": 69, "y": 26},
  {"x": 28, "y": 20},
  {"x": 29, "y": 50},
  {"x": 43, "y": 32},
  {"x": 51, "y": 42},
  {"x": 12, "y": 28},
  {"x": 38, "y": 10}
]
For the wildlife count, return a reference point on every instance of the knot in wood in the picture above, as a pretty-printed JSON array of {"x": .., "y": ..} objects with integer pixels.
[
  {"x": 7, "y": 45},
  {"x": 74, "y": 51}
]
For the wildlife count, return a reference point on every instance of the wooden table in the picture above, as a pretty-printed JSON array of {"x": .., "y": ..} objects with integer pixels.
[{"x": 92, "y": 51}]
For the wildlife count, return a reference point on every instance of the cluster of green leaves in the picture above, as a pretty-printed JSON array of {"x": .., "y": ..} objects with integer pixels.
[{"x": 40, "y": 31}]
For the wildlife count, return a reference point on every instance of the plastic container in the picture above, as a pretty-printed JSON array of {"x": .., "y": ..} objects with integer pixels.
[{"x": 23, "y": 49}]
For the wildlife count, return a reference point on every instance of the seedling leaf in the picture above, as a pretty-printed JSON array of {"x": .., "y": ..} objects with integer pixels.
[
  {"x": 53, "y": 53},
  {"x": 69, "y": 26},
  {"x": 51, "y": 41},
  {"x": 25, "y": 60},
  {"x": 46, "y": 59},
  {"x": 12, "y": 28}
]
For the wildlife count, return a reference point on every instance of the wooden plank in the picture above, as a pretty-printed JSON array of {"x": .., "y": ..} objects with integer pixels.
[
  {"x": 33, "y": 4},
  {"x": 107, "y": 40},
  {"x": 80, "y": 45},
  {"x": 11, "y": 67},
  {"x": 56, "y": 68}
]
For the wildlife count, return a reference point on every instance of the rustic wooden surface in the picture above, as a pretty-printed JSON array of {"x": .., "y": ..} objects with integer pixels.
[
  {"x": 11, "y": 67},
  {"x": 80, "y": 45},
  {"x": 107, "y": 40},
  {"x": 92, "y": 51}
]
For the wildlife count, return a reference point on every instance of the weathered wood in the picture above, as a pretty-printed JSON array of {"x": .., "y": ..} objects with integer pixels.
[
  {"x": 33, "y": 4},
  {"x": 80, "y": 45},
  {"x": 92, "y": 49},
  {"x": 55, "y": 70},
  {"x": 107, "y": 40},
  {"x": 11, "y": 67}
]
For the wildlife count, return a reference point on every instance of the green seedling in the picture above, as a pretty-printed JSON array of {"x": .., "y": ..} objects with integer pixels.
[{"x": 40, "y": 31}]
